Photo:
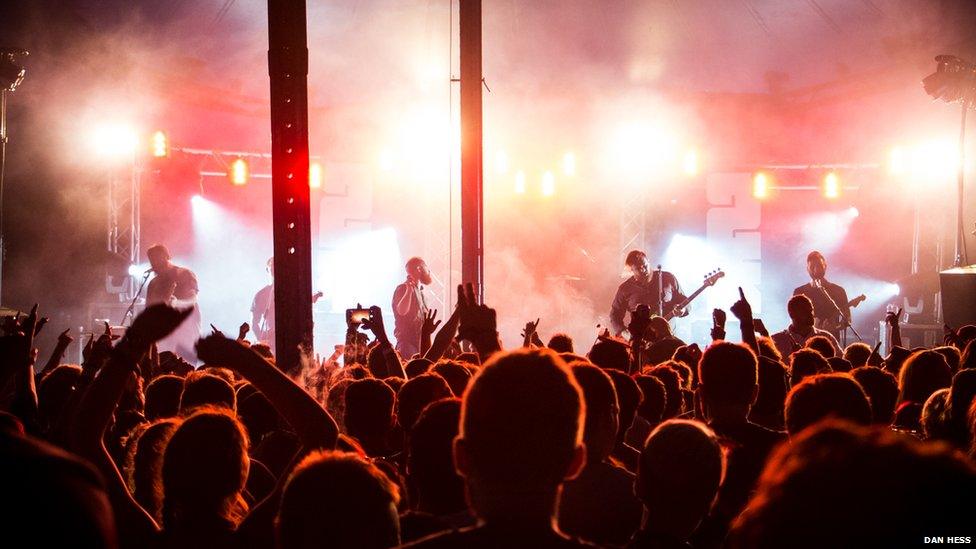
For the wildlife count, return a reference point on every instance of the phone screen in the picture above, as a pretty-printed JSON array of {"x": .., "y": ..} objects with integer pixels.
[{"x": 356, "y": 316}]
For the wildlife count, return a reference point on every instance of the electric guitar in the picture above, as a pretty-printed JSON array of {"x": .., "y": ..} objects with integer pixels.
[
  {"x": 832, "y": 324},
  {"x": 710, "y": 280}
]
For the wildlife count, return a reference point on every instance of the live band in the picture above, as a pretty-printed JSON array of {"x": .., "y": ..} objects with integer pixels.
[{"x": 656, "y": 289}]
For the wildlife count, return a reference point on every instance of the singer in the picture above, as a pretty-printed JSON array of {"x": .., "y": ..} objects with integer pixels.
[
  {"x": 176, "y": 287},
  {"x": 831, "y": 308}
]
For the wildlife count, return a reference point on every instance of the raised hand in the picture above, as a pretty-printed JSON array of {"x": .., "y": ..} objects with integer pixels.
[
  {"x": 529, "y": 333},
  {"x": 478, "y": 321},
  {"x": 760, "y": 327},
  {"x": 741, "y": 308},
  {"x": 375, "y": 324},
  {"x": 718, "y": 324},
  {"x": 64, "y": 338},
  {"x": 430, "y": 324},
  {"x": 218, "y": 350},
  {"x": 153, "y": 324},
  {"x": 892, "y": 318},
  {"x": 242, "y": 331}
]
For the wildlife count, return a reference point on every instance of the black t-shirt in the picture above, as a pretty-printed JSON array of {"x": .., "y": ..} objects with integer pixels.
[
  {"x": 633, "y": 292},
  {"x": 823, "y": 310}
]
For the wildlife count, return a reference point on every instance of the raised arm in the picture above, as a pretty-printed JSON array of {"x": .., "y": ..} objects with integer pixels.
[
  {"x": 64, "y": 340},
  {"x": 99, "y": 402},
  {"x": 478, "y": 323},
  {"x": 314, "y": 426},
  {"x": 16, "y": 362},
  {"x": 893, "y": 320},
  {"x": 743, "y": 311},
  {"x": 427, "y": 330},
  {"x": 443, "y": 339},
  {"x": 375, "y": 324}
]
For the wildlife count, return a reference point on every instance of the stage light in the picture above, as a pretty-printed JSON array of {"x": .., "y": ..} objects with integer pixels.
[
  {"x": 896, "y": 161},
  {"x": 197, "y": 200},
  {"x": 160, "y": 145},
  {"x": 569, "y": 164},
  {"x": 548, "y": 184},
  {"x": 315, "y": 175},
  {"x": 690, "y": 162},
  {"x": 893, "y": 289},
  {"x": 501, "y": 162},
  {"x": 936, "y": 158},
  {"x": 853, "y": 212},
  {"x": 115, "y": 141},
  {"x": 640, "y": 150},
  {"x": 760, "y": 186},
  {"x": 831, "y": 186},
  {"x": 137, "y": 270},
  {"x": 520, "y": 182},
  {"x": 239, "y": 172}
]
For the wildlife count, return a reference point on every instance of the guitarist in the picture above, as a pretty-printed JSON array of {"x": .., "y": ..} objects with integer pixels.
[
  {"x": 263, "y": 311},
  {"x": 642, "y": 288},
  {"x": 831, "y": 308}
]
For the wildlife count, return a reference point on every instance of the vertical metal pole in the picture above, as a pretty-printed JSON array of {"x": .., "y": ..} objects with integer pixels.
[
  {"x": 960, "y": 229},
  {"x": 3, "y": 160},
  {"x": 472, "y": 198},
  {"x": 291, "y": 211}
]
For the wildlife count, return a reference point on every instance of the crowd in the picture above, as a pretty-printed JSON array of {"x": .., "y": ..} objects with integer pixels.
[{"x": 763, "y": 442}]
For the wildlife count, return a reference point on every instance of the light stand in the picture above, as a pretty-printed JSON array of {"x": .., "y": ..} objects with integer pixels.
[
  {"x": 11, "y": 75},
  {"x": 955, "y": 80}
]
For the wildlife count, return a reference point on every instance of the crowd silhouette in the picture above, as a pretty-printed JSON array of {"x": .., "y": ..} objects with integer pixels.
[{"x": 756, "y": 441}]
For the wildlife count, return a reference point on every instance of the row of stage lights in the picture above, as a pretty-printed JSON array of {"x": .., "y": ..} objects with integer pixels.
[
  {"x": 122, "y": 142},
  {"x": 568, "y": 169},
  {"x": 924, "y": 161},
  {"x": 763, "y": 188}
]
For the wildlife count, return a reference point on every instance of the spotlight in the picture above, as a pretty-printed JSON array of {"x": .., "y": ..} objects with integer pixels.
[
  {"x": 239, "y": 172},
  {"x": 315, "y": 175},
  {"x": 760, "y": 186},
  {"x": 114, "y": 141},
  {"x": 690, "y": 162},
  {"x": 831, "y": 186},
  {"x": 520, "y": 182},
  {"x": 548, "y": 184},
  {"x": 853, "y": 212},
  {"x": 160, "y": 145},
  {"x": 569, "y": 164},
  {"x": 197, "y": 200},
  {"x": 896, "y": 161}
]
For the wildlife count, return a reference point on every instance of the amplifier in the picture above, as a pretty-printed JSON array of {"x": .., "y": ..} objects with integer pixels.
[{"x": 959, "y": 295}]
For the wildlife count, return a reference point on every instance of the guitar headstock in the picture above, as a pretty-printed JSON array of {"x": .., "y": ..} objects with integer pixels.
[{"x": 712, "y": 277}]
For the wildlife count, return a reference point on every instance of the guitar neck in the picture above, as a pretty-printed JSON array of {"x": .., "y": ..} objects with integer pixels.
[{"x": 686, "y": 302}]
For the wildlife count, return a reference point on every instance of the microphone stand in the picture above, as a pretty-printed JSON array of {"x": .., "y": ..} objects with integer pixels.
[
  {"x": 660, "y": 291},
  {"x": 847, "y": 321},
  {"x": 132, "y": 304}
]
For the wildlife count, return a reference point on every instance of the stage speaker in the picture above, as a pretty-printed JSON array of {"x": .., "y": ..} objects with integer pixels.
[{"x": 959, "y": 295}]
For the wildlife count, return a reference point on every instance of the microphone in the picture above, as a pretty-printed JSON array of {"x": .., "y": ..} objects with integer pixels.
[{"x": 149, "y": 270}]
